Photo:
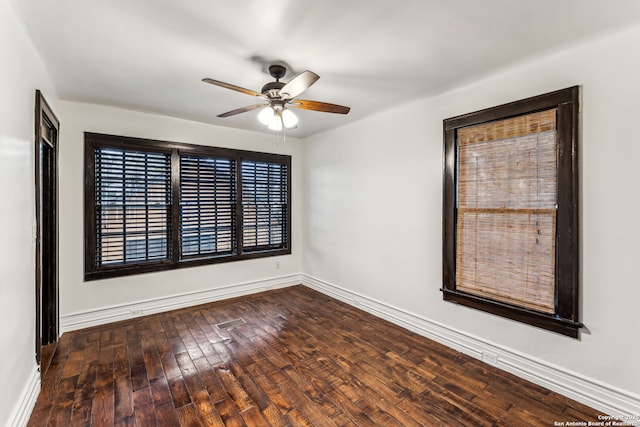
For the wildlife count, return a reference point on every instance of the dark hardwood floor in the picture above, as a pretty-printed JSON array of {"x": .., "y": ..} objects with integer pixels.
[{"x": 301, "y": 359}]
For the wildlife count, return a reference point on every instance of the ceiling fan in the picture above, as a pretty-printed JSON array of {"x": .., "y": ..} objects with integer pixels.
[{"x": 278, "y": 96}]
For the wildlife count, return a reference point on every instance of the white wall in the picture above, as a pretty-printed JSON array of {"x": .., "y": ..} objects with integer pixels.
[
  {"x": 374, "y": 207},
  {"x": 77, "y": 296},
  {"x": 21, "y": 73},
  {"x": 388, "y": 166}
]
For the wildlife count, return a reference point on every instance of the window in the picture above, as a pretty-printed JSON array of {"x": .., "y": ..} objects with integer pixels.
[
  {"x": 154, "y": 205},
  {"x": 510, "y": 241},
  {"x": 207, "y": 206},
  {"x": 264, "y": 205},
  {"x": 133, "y": 206}
]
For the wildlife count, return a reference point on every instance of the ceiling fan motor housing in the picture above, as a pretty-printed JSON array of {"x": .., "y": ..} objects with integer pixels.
[{"x": 272, "y": 89}]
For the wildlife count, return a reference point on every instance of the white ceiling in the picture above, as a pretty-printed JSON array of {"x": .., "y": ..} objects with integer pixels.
[{"x": 151, "y": 55}]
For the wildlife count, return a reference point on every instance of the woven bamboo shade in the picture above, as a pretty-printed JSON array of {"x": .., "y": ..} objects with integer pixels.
[{"x": 506, "y": 220}]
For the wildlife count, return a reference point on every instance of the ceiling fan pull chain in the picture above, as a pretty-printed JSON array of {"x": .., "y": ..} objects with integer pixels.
[{"x": 284, "y": 131}]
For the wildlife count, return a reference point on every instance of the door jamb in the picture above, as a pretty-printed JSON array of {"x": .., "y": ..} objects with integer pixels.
[{"x": 49, "y": 313}]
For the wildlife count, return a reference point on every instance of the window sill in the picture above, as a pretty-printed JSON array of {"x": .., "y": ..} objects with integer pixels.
[
  {"x": 531, "y": 317},
  {"x": 110, "y": 272}
]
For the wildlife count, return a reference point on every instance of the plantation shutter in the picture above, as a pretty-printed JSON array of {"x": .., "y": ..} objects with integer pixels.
[
  {"x": 506, "y": 210},
  {"x": 133, "y": 206},
  {"x": 207, "y": 206},
  {"x": 264, "y": 206}
]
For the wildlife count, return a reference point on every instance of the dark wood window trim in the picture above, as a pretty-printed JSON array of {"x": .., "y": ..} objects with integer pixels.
[
  {"x": 174, "y": 259},
  {"x": 566, "y": 319}
]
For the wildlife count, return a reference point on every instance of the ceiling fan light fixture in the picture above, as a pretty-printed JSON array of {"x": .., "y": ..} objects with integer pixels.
[
  {"x": 278, "y": 117},
  {"x": 275, "y": 123},
  {"x": 266, "y": 115},
  {"x": 289, "y": 119}
]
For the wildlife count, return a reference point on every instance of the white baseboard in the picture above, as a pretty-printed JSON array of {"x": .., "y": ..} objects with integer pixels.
[
  {"x": 27, "y": 400},
  {"x": 596, "y": 394},
  {"x": 101, "y": 316}
]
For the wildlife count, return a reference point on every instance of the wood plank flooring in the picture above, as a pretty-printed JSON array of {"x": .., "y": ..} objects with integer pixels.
[{"x": 300, "y": 359}]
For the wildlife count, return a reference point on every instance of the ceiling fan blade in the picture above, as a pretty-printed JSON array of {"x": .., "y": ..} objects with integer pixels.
[
  {"x": 232, "y": 87},
  {"x": 241, "y": 110},
  {"x": 298, "y": 84},
  {"x": 320, "y": 106}
]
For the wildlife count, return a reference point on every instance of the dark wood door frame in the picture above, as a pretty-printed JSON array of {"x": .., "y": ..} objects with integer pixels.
[{"x": 47, "y": 128}]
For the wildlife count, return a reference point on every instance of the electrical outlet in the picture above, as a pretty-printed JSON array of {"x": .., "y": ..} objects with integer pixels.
[
  {"x": 277, "y": 265},
  {"x": 490, "y": 358},
  {"x": 135, "y": 312}
]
